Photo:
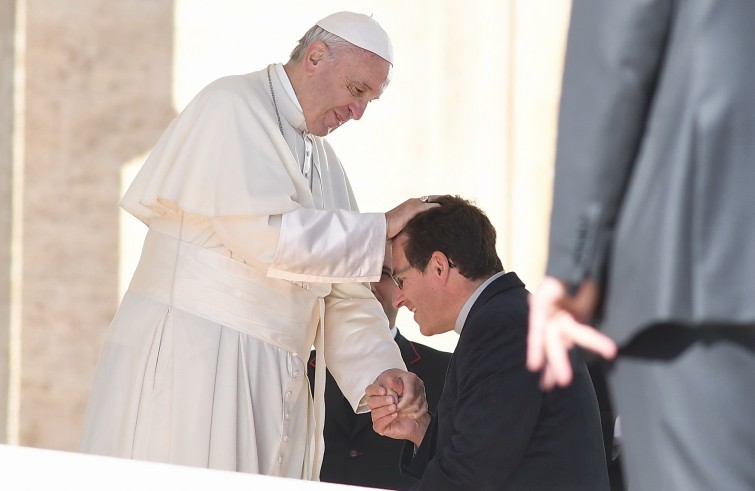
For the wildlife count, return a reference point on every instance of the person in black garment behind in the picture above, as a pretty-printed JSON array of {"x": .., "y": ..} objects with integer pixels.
[{"x": 354, "y": 453}]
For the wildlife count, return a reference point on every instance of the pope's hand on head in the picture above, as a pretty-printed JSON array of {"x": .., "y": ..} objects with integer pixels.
[{"x": 398, "y": 217}]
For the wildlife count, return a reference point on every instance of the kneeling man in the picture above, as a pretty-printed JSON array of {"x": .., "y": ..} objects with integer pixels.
[{"x": 494, "y": 428}]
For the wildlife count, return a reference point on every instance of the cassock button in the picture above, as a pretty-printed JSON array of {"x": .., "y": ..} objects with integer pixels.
[
  {"x": 285, "y": 438},
  {"x": 354, "y": 453}
]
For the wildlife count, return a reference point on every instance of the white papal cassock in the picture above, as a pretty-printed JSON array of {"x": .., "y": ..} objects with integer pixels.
[{"x": 255, "y": 252}]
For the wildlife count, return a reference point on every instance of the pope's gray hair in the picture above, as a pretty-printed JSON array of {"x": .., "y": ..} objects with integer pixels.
[{"x": 317, "y": 33}]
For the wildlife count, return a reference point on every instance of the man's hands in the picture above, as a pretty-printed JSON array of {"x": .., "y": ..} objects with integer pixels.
[
  {"x": 399, "y": 406},
  {"x": 557, "y": 324},
  {"x": 397, "y": 218}
]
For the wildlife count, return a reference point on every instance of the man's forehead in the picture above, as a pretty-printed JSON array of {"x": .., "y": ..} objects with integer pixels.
[
  {"x": 388, "y": 258},
  {"x": 398, "y": 244}
]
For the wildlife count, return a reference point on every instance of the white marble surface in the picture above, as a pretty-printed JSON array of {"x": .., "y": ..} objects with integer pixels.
[{"x": 32, "y": 469}]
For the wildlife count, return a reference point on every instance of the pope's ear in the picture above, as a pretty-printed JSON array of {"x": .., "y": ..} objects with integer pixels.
[{"x": 316, "y": 52}]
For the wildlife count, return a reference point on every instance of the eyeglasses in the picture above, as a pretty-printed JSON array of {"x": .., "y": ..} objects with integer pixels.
[{"x": 400, "y": 281}]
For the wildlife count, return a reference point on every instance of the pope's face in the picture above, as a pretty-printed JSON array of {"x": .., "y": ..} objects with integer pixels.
[
  {"x": 421, "y": 293},
  {"x": 340, "y": 85}
]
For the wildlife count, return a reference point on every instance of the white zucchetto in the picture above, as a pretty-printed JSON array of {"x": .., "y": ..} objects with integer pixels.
[{"x": 360, "y": 30}]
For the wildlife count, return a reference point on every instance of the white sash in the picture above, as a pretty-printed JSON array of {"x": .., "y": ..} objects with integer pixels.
[{"x": 287, "y": 314}]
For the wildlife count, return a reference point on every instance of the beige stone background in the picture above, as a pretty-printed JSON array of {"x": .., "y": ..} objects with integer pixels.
[{"x": 87, "y": 86}]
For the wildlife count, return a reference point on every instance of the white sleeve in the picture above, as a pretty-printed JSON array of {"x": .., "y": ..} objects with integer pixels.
[
  {"x": 358, "y": 342},
  {"x": 327, "y": 246}
]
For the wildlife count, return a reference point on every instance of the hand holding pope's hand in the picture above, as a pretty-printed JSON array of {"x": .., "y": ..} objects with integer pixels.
[
  {"x": 408, "y": 387},
  {"x": 399, "y": 406}
]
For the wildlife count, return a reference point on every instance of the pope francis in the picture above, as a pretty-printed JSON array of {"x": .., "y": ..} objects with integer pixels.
[{"x": 255, "y": 252}]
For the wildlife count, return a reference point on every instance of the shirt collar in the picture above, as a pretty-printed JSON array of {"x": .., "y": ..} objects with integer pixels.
[
  {"x": 462, "y": 319},
  {"x": 394, "y": 330}
]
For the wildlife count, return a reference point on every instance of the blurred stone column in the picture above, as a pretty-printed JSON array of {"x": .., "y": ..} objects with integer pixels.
[
  {"x": 7, "y": 58},
  {"x": 97, "y": 93},
  {"x": 538, "y": 30}
]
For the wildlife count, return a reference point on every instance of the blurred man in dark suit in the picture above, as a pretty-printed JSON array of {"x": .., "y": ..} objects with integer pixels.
[
  {"x": 354, "y": 453},
  {"x": 653, "y": 232}
]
